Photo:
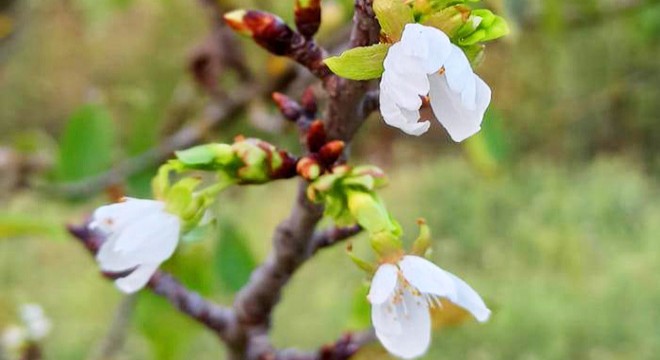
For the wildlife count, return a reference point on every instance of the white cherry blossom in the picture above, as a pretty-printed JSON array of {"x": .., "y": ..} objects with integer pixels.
[
  {"x": 401, "y": 296},
  {"x": 425, "y": 63},
  {"x": 140, "y": 235}
]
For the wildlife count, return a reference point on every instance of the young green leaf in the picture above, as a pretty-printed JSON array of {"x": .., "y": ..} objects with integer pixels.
[
  {"x": 233, "y": 260},
  {"x": 361, "y": 63},
  {"x": 393, "y": 15},
  {"x": 87, "y": 145}
]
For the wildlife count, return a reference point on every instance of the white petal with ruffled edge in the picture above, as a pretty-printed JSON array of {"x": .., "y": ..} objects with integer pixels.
[
  {"x": 403, "y": 326},
  {"x": 448, "y": 107},
  {"x": 427, "y": 277},
  {"x": 403, "y": 119},
  {"x": 469, "y": 299}
]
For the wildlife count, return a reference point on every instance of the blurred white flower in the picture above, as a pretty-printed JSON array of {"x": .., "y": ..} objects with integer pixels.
[
  {"x": 140, "y": 235},
  {"x": 13, "y": 338},
  {"x": 401, "y": 295},
  {"x": 36, "y": 323},
  {"x": 424, "y": 63}
]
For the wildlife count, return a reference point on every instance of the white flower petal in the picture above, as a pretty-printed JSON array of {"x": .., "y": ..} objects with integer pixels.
[
  {"x": 469, "y": 299},
  {"x": 401, "y": 118},
  {"x": 153, "y": 231},
  {"x": 137, "y": 279},
  {"x": 459, "y": 121},
  {"x": 404, "y": 328},
  {"x": 428, "y": 44},
  {"x": 383, "y": 284},
  {"x": 416, "y": 129},
  {"x": 457, "y": 69},
  {"x": 427, "y": 277},
  {"x": 114, "y": 261},
  {"x": 150, "y": 236},
  {"x": 113, "y": 217}
]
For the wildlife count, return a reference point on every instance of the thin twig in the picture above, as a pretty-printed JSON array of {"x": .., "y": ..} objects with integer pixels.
[
  {"x": 115, "y": 338},
  {"x": 216, "y": 114}
]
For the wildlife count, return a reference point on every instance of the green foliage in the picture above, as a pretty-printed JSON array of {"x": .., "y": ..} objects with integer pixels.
[
  {"x": 361, "y": 63},
  {"x": 393, "y": 15},
  {"x": 87, "y": 144},
  {"x": 233, "y": 260},
  {"x": 168, "y": 332}
]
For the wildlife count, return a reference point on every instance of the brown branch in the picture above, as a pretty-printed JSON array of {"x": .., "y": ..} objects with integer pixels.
[
  {"x": 215, "y": 317},
  {"x": 330, "y": 237},
  {"x": 291, "y": 242}
]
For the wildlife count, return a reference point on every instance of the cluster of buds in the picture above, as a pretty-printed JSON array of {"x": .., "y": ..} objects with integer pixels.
[
  {"x": 302, "y": 112},
  {"x": 323, "y": 154},
  {"x": 246, "y": 161},
  {"x": 464, "y": 25},
  {"x": 273, "y": 34},
  {"x": 349, "y": 195}
]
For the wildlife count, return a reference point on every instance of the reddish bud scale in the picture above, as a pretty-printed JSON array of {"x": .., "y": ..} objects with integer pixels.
[
  {"x": 316, "y": 136},
  {"x": 308, "y": 168},
  {"x": 330, "y": 152},
  {"x": 287, "y": 106},
  {"x": 287, "y": 169},
  {"x": 308, "y": 102},
  {"x": 270, "y": 31},
  {"x": 308, "y": 18}
]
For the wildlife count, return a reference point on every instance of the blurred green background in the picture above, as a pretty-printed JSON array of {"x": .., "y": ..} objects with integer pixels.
[{"x": 552, "y": 212}]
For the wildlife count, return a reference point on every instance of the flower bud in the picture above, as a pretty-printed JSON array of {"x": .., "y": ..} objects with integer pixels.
[
  {"x": 287, "y": 106},
  {"x": 369, "y": 212},
  {"x": 330, "y": 152},
  {"x": 308, "y": 102},
  {"x": 309, "y": 168},
  {"x": 316, "y": 136},
  {"x": 267, "y": 30},
  {"x": 308, "y": 17},
  {"x": 450, "y": 20}
]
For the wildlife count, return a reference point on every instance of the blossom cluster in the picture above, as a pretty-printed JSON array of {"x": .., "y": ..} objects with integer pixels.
[{"x": 419, "y": 64}]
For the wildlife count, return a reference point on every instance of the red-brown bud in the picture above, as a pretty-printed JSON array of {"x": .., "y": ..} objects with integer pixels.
[
  {"x": 308, "y": 102},
  {"x": 316, "y": 136},
  {"x": 330, "y": 152},
  {"x": 308, "y": 17},
  {"x": 287, "y": 106},
  {"x": 267, "y": 30},
  {"x": 308, "y": 168}
]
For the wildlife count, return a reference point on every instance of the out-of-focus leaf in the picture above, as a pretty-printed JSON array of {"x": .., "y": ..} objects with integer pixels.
[
  {"x": 233, "y": 260},
  {"x": 360, "y": 317},
  {"x": 87, "y": 144},
  {"x": 167, "y": 330},
  {"x": 190, "y": 264},
  {"x": 489, "y": 149},
  {"x": 12, "y": 226}
]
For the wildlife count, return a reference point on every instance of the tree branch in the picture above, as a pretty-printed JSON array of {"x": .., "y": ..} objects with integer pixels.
[{"x": 215, "y": 317}]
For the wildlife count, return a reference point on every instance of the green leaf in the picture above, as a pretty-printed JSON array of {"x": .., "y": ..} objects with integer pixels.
[
  {"x": 393, "y": 15},
  {"x": 87, "y": 144},
  {"x": 167, "y": 330},
  {"x": 233, "y": 260},
  {"x": 360, "y": 63}
]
